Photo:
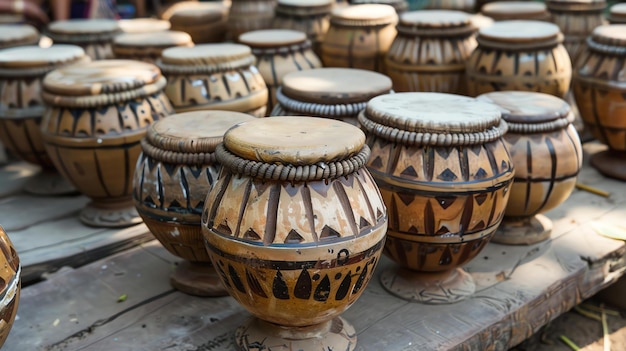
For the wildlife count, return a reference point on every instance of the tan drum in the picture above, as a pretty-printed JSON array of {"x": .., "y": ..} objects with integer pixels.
[
  {"x": 279, "y": 52},
  {"x": 10, "y": 290},
  {"x": 205, "y": 22},
  {"x": 143, "y": 25},
  {"x": 214, "y": 77},
  {"x": 249, "y": 15},
  {"x": 18, "y": 35},
  {"x": 309, "y": 16},
  {"x": 148, "y": 46},
  {"x": 430, "y": 51},
  {"x": 95, "y": 36},
  {"x": 617, "y": 14},
  {"x": 359, "y": 36},
  {"x": 337, "y": 93},
  {"x": 97, "y": 114},
  {"x": 516, "y": 10}
]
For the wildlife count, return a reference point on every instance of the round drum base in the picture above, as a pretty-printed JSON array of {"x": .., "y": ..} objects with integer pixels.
[
  {"x": 110, "y": 214},
  {"x": 430, "y": 288},
  {"x": 199, "y": 279},
  {"x": 523, "y": 232},
  {"x": 49, "y": 182},
  {"x": 257, "y": 334},
  {"x": 610, "y": 163}
]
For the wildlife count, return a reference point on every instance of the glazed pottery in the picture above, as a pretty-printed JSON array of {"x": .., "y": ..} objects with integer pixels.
[
  {"x": 148, "y": 47},
  {"x": 22, "y": 70},
  {"x": 617, "y": 14},
  {"x": 458, "y": 5},
  {"x": 173, "y": 176},
  {"x": 445, "y": 174},
  {"x": 295, "y": 226},
  {"x": 600, "y": 90},
  {"x": 547, "y": 156},
  {"x": 205, "y": 22},
  {"x": 309, "y": 16},
  {"x": 12, "y": 35},
  {"x": 338, "y": 93},
  {"x": 96, "y": 115},
  {"x": 10, "y": 289},
  {"x": 399, "y": 5},
  {"x": 519, "y": 55},
  {"x": 516, "y": 10},
  {"x": 430, "y": 51},
  {"x": 143, "y": 25},
  {"x": 249, "y": 15},
  {"x": 95, "y": 36},
  {"x": 279, "y": 52},
  {"x": 359, "y": 36},
  {"x": 214, "y": 77}
]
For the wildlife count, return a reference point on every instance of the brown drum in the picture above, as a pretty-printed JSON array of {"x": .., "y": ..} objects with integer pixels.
[
  {"x": 430, "y": 51},
  {"x": 445, "y": 174},
  {"x": 95, "y": 36},
  {"x": 547, "y": 156},
  {"x": 214, "y": 77},
  {"x": 249, "y": 15},
  {"x": 148, "y": 47},
  {"x": 143, "y": 25},
  {"x": 309, "y": 16},
  {"x": 295, "y": 226},
  {"x": 10, "y": 290},
  {"x": 173, "y": 176},
  {"x": 12, "y": 35},
  {"x": 96, "y": 116},
  {"x": 205, "y": 22},
  {"x": 516, "y": 10},
  {"x": 617, "y": 14}
]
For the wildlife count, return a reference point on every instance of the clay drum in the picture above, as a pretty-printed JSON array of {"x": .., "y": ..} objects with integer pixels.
[
  {"x": 95, "y": 36},
  {"x": 249, "y": 15},
  {"x": 295, "y": 226},
  {"x": 10, "y": 289},
  {"x": 309, "y": 16},
  {"x": 445, "y": 174},
  {"x": 12, "y": 35},
  {"x": 205, "y": 22},
  {"x": 617, "y": 14},
  {"x": 148, "y": 47}
]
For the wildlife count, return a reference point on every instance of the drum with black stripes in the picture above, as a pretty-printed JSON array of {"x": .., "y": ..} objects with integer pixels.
[{"x": 95, "y": 36}]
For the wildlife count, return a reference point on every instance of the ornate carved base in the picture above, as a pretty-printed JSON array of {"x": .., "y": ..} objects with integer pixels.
[
  {"x": 527, "y": 231},
  {"x": 110, "y": 214},
  {"x": 49, "y": 182},
  {"x": 196, "y": 278},
  {"x": 256, "y": 334},
  {"x": 430, "y": 288},
  {"x": 611, "y": 163}
]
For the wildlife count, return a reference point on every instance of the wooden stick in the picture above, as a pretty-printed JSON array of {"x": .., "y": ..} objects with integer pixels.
[
  {"x": 594, "y": 308},
  {"x": 592, "y": 190},
  {"x": 569, "y": 343},
  {"x": 605, "y": 331},
  {"x": 588, "y": 314}
]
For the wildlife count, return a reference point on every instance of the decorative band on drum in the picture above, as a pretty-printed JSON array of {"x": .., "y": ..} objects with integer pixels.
[
  {"x": 177, "y": 145},
  {"x": 315, "y": 109},
  {"x": 614, "y": 49},
  {"x": 39, "y": 71},
  {"x": 83, "y": 38},
  {"x": 452, "y": 31},
  {"x": 530, "y": 128},
  {"x": 282, "y": 50},
  {"x": 195, "y": 67},
  {"x": 287, "y": 172},
  {"x": 356, "y": 22},
  {"x": 532, "y": 45},
  {"x": 409, "y": 138},
  {"x": 200, "y": 158}
]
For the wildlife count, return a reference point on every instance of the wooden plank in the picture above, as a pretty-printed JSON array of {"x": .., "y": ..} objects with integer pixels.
[
  {"x": 13, "y": 177},
  {"x": 22, "y": 211}
]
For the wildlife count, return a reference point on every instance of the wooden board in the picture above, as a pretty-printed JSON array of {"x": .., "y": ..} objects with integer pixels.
[{"x": 519, "y": 290}]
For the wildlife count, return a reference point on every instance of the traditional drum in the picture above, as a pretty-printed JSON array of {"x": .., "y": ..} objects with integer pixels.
[
  {"x": 430, "y": 51},
  {"x": 295, "y": 226},
  {"x": 516, "y": 10},
  {"x": 309, "y": 16},
  {"x": 97, "y": 114},
  {"x": 399, "y": 5},
  {"x": 279, "y": 52},
  {"x": 458, "y": 5},
  {"x": 172, "y": 179},
  {"x": 445, "y": 174},
  {"x": 249, "y": 15},
  {"x": 547, "y": 156},
  {"x": 148, "y": 47},
  {"x": 519, "y": 55},
  {"x": 205, "y": 22},
  {"x": 22, "y": 70},
  {"x": 214, "y": 77},
  {"x": 338, "y": 93},
  {"x": 617, "y": 14},
  {"x": 10, "y": 290},
  {"x": 18, "y": 35},
  {"x": 600, "y": 90},
  {"x": 359, "y": 36},
  {"x": 143, "y": 25},
  {"x": 95, "y": 36}
]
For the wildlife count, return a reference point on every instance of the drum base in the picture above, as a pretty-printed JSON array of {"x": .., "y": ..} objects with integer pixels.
[
  {"x": 257, "y": 334},
  {"x": 49, "y": 183},
  {"x": 110, "y": 214},
  {"x": 429, "y": 287},
  {"x": 611, "y": 163},
  {"x": 198, "y": 279},
  {"x": 527, "y": 231}
]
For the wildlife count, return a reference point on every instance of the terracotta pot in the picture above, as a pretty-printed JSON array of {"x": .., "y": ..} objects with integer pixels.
[
  {"x": 95, "y": 36},
  {"x": 295, "y": 226},
  {"x": 519, "y": 55},
  {"x": 143, "y": 25},
  {"x": 309, "y": 16},
  {"x": 97, "y": 114},
  {"x": 338, "y": 93},
  {"x": 214, "y": 77},
  {"x": 279, "y": 52},
  {"x": 547, "y": 155},
  {"x": 399, "y": 5},
  {"x": 430, "y": 51},
  {"x": 359, "y": 36},
  {"x": 205, "y": 22},
  {"x": 458, "y": 5},
  {"x": 172, "y": 179},
  {"x": 600, "y": 89},
  {"x": 516, "y": 10},
  {"x": 12, "y": 35},
  {"x": 10, "y": 290},
  {"x": 445, "y": 174},
  {"x": 617, "y": 14},
  {"x": 148, "y": 47},
  {"x": 249, "y": 15}
]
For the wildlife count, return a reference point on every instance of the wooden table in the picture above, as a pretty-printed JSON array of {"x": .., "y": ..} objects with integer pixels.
[{"x": 520, "y": 288}]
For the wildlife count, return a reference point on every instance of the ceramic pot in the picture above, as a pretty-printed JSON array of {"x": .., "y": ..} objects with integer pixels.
[
  {"x": 12, "y": 35},
  {"x": 10, "y": 290},
  {"x": 519, "y": 55},
  {"x": 617, "y": 14},
  {"x": 205, "y": 22},
  {"x": 295, "y": 227},
  {"x": 95, "y": 36},
  {"x": 445, "y": 174},
  {"x": 516, "y": 10},
  {"x": 249, "y": 15},
  {"x": 279, "y": 52},
  {"x": 143, "y": 25},
  {"x": 359, "y": 36},
  {"x": 148, "y": 47},
  {"x": 214, "y": 77},
  {"x": 399, "y": 5},
  {"x": 172, "y": 179},
  {"x": 600, "y": 90},
  {"x": 22, "y": 70},
  {"x": 337, "y": 93},
  {"x": 309, "y": 16},
  {"x": 430, "y": 51},
  {"x": 96, "y": 115},
  {"x": 547, "y": 156},
  {"x": 457, "y": 5}
]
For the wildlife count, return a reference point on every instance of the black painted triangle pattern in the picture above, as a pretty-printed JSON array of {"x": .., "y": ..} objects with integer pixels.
[
  {"x": 293, "y": 237},
  {"x": 329, "y": 233},
  {"x": 377, "y": 163},
  {"x": 445, "y": 201},
  {"x": 447, "y": 176},
  {"x": 363, "y": 223},
  {"x": 250, "y": 234},
  {"x": 409, "y": 171},
  {"x": 406, "y": 198},
  {"x": 480, "y": 198}
]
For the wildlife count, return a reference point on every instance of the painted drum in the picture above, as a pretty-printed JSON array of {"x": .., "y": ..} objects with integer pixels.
[
  {"x": 148, "y": 47},
  {"x": 11, "y": 285},
  {"x": 95, "y": 36},
  {"x": 309, "y": 16},
  {"x": 205, "y": 22},
  {"x": 249, "y": 15}
]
